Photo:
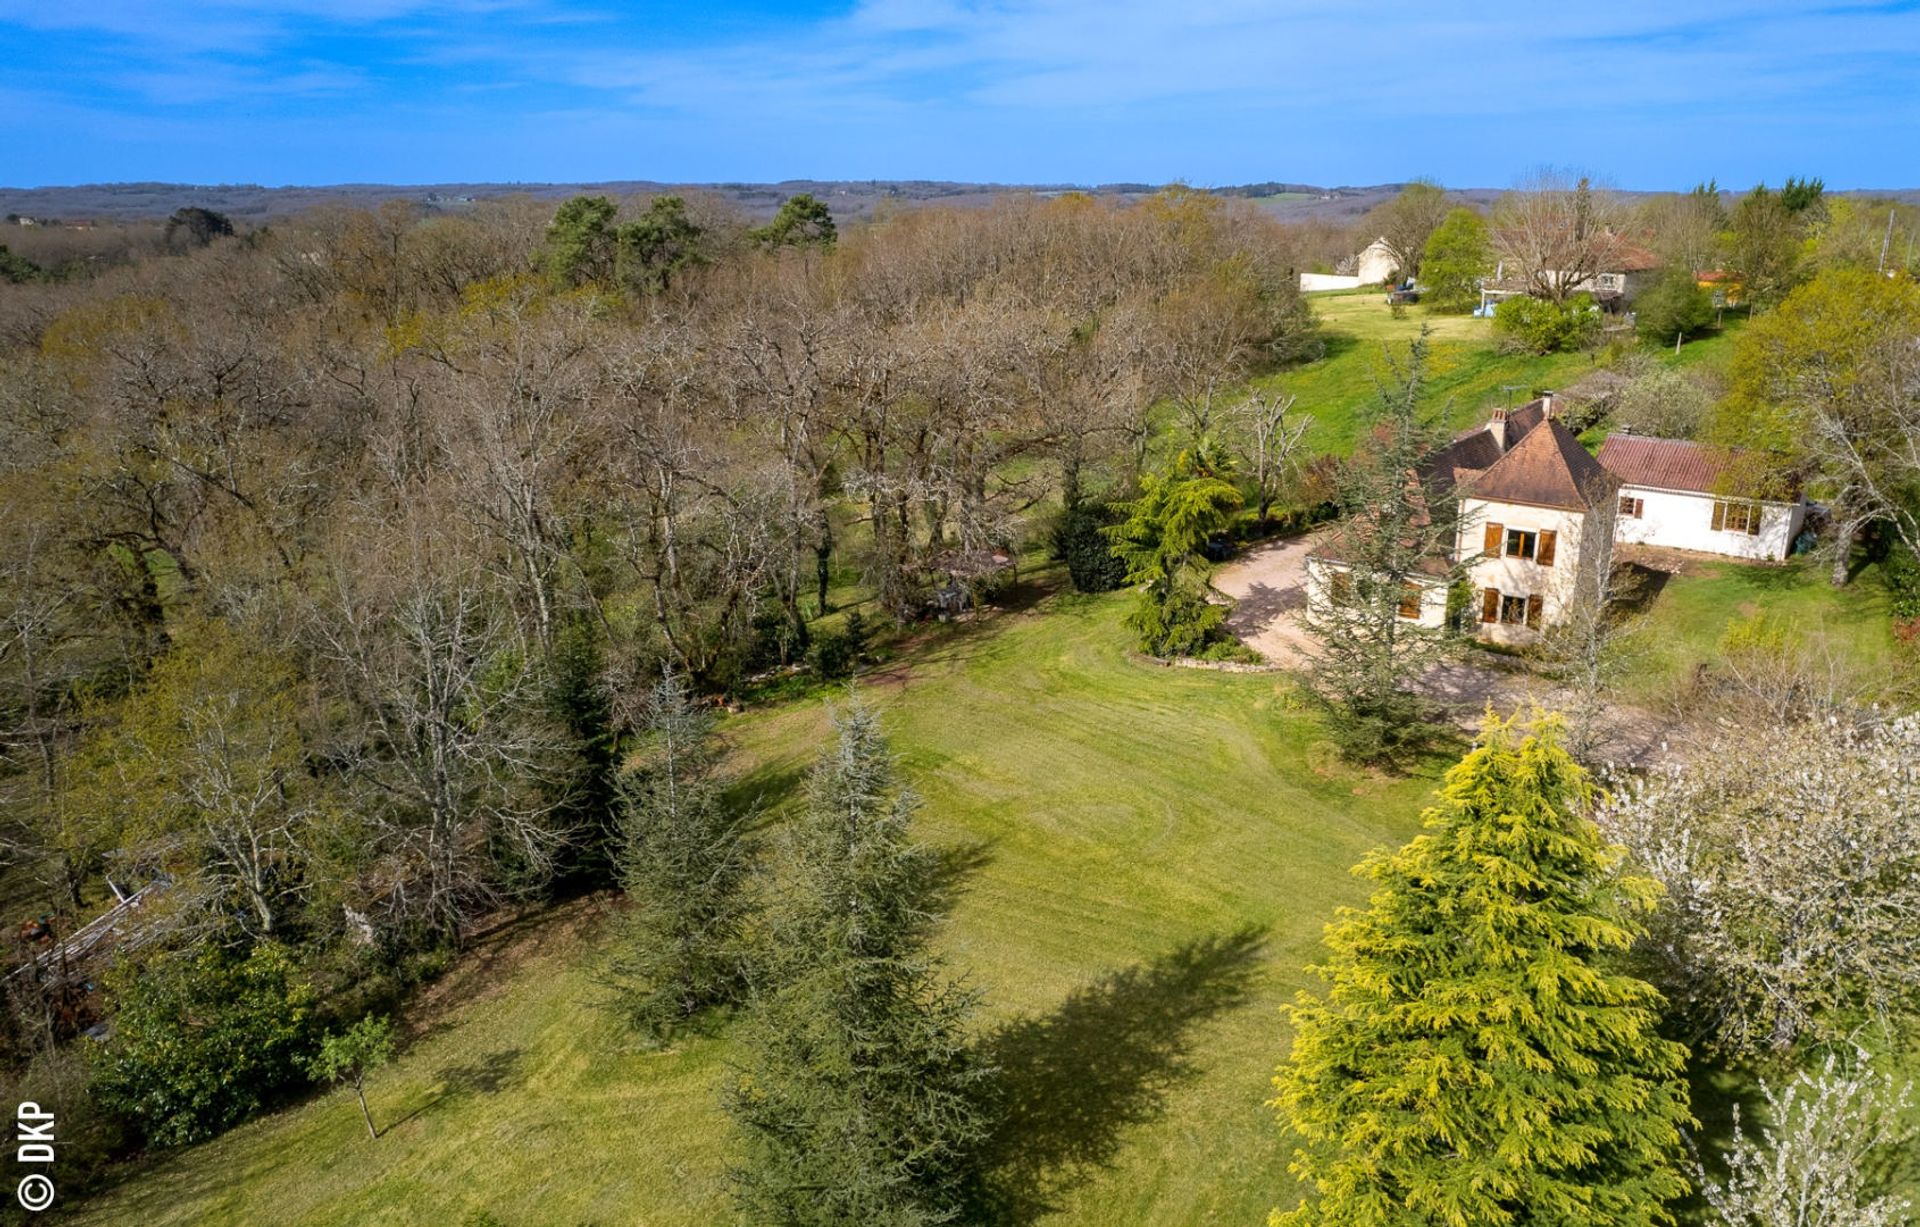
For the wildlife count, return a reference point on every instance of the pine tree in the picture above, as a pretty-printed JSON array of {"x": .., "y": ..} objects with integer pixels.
[
  {"x": 1477, "y": 1059},
  {"x": 858, "y": 1101},
  {"x": 686, "y": 860},
  {"x": 1397, "y": 534}
]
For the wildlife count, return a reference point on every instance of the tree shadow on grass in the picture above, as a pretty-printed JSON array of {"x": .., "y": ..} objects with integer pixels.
[
  {"x": 1072, "y": 1082},
  {"x": 952, "y": 865},
  {"x": 487, "y": 1075},
  {"x": 1716, "y": 1093}
]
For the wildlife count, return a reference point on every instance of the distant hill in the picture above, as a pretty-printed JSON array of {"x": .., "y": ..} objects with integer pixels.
[{"x": 849, "y": 199}]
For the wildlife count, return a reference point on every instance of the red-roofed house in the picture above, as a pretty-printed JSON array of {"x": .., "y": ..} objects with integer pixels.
[
  {"x": 1536, "y": 513},
  {"x": 1689, "y": 496}
]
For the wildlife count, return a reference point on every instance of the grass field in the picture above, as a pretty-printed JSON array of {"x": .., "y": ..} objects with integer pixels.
[
  {"x": 1148, "y": 854},
  {"x": 1467, "y": 373},
  {"x": 1689, "y": 616}
]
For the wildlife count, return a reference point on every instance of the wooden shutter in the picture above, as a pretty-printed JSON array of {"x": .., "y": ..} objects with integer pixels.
[
  {"x": 1544, "y": 555},
  {"x": 1490, "y": 605},
  {"x": 1409, "y": 600},
  {"x": 1719, "y": 515},
  {"x": 1753, "y": 520},
  {"x": 1535, "y": 605},
  {"x": 1496, "y": 533}
]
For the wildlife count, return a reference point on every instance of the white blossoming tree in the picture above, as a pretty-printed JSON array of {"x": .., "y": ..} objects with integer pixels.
[
  {"x": 1791, "y": 861},
  {"x": 1818, "y": 1161}
]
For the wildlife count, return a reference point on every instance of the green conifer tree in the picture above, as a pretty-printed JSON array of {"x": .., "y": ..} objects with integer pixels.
[
  {"x": 1161, "y": 542},
  {"x": 1478, "y": 1057},
  {"x": 858, "y": 1100},
  {"x": 686, "y": 860},
  {"x": 1396, "y": 536}
]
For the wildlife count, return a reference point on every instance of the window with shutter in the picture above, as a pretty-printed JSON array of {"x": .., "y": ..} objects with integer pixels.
[
  {"x": 1496, "y": 533},
  {"x": 1535, "y": 606},
  {"x": 1544, "y": 556},
  {"x": 1409, "y": 600},
  {"x": 1490, "y": 605}
]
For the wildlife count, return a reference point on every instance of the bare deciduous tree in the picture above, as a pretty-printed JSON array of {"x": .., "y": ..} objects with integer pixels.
[
  {"x": 445, "y": 741},
  {"x": 1272, "y": 435},
  {"x": 1555, "y": 232}
]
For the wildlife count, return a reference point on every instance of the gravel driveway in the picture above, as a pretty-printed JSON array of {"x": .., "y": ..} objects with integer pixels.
[{"x": 1268, "y": 587}]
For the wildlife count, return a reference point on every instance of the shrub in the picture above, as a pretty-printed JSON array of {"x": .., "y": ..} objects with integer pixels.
[
  {"x": 1675, "y": 306},
  {"x": 201, "y": 1043},
  {"x": 835, "y": 654},
  {"x": 1659, "y": 400},
  {"x": 1540, "y": 327},
  {"x": 1230, "y": 651},
  {"x": 1901, "y": 573},
  {"x": 1079, "y": 542}
]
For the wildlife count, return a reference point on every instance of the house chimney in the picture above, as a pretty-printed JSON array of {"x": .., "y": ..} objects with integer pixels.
[
  {"x": 1497, "y": 427},
  {"x": 1546, "y": 405}
]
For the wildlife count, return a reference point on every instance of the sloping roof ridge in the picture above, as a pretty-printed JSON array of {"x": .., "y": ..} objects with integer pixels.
[{"x": 1565, "y": 465}]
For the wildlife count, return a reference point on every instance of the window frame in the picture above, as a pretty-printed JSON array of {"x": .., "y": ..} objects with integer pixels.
[
  {"x": 1412, "y": 596},
  {"x": 1738, "y": 515},
  {"x": 1509, "y": 603},
  {"x": 1632, "y": 507},
  {"x": 1527, "y": 538}
]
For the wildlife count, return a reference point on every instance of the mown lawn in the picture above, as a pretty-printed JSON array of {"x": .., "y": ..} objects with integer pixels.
[{"x": 1146, "y": 858}]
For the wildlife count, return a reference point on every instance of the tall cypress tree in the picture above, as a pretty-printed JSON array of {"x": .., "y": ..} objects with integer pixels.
[
  {"x": 685, "y": 860},
  {"x": 1478, "y": 1058},
  {"x": 858, "y": 1100}
]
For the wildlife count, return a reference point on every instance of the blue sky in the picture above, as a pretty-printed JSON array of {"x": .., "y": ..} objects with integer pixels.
[{"x": 1208, "y": 91}]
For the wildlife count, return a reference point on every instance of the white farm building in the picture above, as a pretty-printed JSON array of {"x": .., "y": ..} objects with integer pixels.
[{"x": 1676, "y": 493}]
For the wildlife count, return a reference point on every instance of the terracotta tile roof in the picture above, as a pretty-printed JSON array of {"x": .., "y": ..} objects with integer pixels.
[
  {"x": 1338, "y": 548},
  {"x": 1632, "y": 259},
  {"x": 1474, "y": 451},
  {"x": 1548, "y": 468},
  {"x": 1671, "y": 464}
]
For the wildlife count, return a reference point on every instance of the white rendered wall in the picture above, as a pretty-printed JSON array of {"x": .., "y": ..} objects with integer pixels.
[
  {"x": 1376, "y": 263},
  {"x": 1310, "y": 282},
  {"x": 1685, "y": 522},
  {"x": 1580, "y": 540},
  {"x": 1320, "y": 572}
]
